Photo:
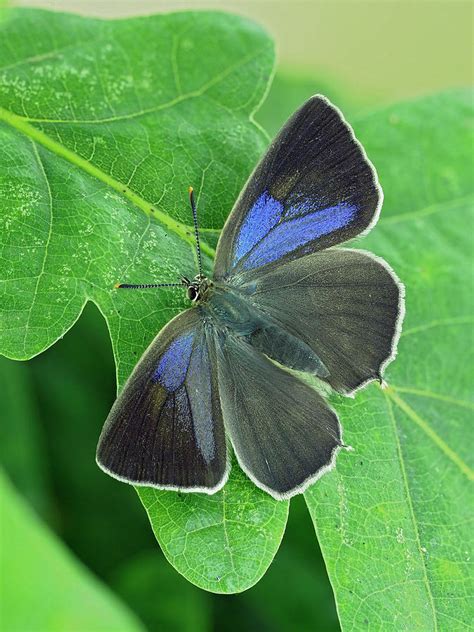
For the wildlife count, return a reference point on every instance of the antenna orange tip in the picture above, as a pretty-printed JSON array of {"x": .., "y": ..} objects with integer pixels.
[
  {"x": 190, "y": 190},
  {"x": 117, "y": 285}
]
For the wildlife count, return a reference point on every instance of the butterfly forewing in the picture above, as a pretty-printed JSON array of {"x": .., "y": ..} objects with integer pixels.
[
  {"x": 313, "y": 189},
  {"x": 165, "y": 429}
]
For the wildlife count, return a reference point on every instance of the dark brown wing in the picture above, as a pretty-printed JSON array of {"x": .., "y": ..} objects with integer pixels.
[{"x": 165, "y": 429}]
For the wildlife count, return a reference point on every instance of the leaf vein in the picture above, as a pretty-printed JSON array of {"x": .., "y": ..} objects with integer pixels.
[
  {"x": 426, "y": 211},
  {"x": 46, "y": 246},
  {"x": 410, "y": 506},
  {"x": 184, "y": 231},
  {"x": 421, "y": 423},
  {"x": 198, "y": 92},
  {"x": 433, "y": 395}
]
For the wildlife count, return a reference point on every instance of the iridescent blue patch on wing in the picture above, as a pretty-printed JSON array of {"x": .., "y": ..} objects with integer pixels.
[
  {"x": 264, "y": 215},
  {"x": 198, "y": 384},
  {"x": 173, "y": 365},
  {"x": 293, "y": 233},
  {"x": 302, "y": 208}
]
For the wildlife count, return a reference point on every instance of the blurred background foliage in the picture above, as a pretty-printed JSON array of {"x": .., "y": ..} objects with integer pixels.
[{"x": 361, "y": 55}]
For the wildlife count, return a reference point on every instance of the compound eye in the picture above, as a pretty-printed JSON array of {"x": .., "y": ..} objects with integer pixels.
[{"x": 192, "y": 293}]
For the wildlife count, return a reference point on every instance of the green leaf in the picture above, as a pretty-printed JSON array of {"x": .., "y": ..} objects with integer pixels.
[
  {"x": 103, "y": 126},
  {"x": 43, "y": 587},
  {"x": 101, "y": 139},
  {"x": 224, "y": 542},
  {"x": 393, "y": 517}
]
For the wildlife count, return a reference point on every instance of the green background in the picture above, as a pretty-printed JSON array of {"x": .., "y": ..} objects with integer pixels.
[{"x": 362, "y": 55}]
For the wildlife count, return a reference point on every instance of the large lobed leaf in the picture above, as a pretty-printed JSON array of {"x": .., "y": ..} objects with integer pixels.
[
  {"x": 103, "y": 125},
  {"x": 393, "y": 519}
]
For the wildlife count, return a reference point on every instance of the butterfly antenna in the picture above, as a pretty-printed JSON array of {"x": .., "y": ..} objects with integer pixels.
[
  {"x": 184, "y": 281},
  {"x": 145, "y": 286},
  {"x": 196, "y": 229}
]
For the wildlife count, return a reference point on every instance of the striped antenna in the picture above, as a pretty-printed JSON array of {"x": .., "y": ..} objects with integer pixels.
[
  {"x": 196, "y": 229},
  {"x": 184, "y": 281},
  {"x": 144, "y": 286}
]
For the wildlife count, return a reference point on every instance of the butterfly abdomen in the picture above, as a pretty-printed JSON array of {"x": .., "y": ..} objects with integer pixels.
[
  {"x": 229, "y": 310},
  {"x": 279, "y": 345}
]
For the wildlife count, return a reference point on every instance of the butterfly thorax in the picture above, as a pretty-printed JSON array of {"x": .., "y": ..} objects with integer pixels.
[
  {"x": 233, "y": 314},
  {"x": 229, "y": 310},
  {"x": 199, "y": 289}
]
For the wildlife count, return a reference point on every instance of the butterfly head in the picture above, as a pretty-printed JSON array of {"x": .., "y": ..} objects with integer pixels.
[{"x": 198, "y": 289}]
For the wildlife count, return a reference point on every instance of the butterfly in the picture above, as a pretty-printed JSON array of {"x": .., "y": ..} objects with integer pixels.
[{"x": 226, "y": 374}]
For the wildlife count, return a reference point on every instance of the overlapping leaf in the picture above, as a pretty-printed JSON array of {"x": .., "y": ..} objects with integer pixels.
[{"x": 394, "y": 518}]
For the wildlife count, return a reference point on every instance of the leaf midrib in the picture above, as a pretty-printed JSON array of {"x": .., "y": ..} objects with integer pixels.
[{"x": 184, "y": 231}]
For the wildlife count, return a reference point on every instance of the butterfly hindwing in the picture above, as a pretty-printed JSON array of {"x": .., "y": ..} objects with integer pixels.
[
  {"x": 346, "y": 305},
  {"x": 283, "y": 433},
  {"x": 165, "y": 428},
  {"x": 313, "y": 189}
]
